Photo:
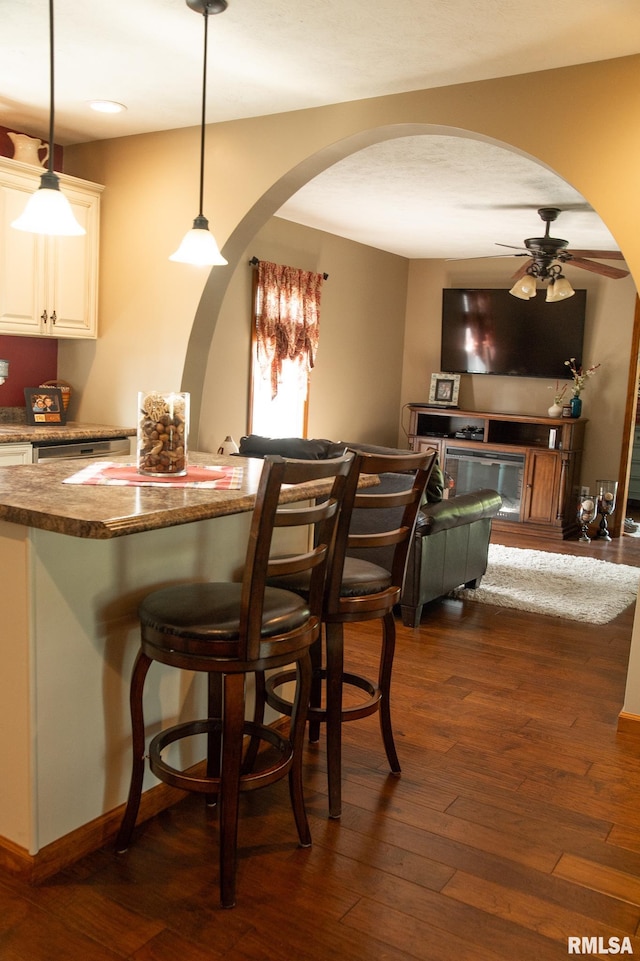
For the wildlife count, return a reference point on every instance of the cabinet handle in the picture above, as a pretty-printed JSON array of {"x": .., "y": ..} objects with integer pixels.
[
  {"x": 54, "y": 317},
  {"x": 43, "y": 316}
]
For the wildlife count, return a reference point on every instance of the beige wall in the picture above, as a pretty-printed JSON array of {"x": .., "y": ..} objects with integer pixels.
[{"x": 361, "y": 339}]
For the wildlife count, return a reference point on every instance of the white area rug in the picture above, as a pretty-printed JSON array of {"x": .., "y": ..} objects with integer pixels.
[{"x": 562, "y": 585}]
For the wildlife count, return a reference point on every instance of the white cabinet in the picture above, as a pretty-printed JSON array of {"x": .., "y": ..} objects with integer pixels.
[
  {"x": 11, "y": 454},
  {"x": 48, "y": 285}
]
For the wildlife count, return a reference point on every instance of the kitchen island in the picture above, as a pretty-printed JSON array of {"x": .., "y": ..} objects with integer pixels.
[{"x": 75, "y": 563}]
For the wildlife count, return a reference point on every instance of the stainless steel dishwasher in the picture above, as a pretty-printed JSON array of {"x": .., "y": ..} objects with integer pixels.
[{"x": 97, "y": 449}]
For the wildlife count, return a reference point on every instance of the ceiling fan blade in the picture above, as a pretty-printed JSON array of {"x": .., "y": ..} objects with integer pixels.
[
  {"x": 521, "y": 270},
  {"x": 598, "y": 254},
  {"x": 511, "y": 247},
  {"x": 614, "y": 273},
  {"x": 484, "y": 257}
]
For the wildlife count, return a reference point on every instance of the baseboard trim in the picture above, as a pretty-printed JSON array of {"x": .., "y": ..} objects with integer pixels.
[
  {"x": 628, "y": 723},
  {"x": 66, "y": 850},
  {"x": 90, "y": 837}
]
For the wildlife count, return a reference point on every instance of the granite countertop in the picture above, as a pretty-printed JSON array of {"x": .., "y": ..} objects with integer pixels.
[
  {"x": 16, "y": 433},
  {"x": 34, "y": 495}
]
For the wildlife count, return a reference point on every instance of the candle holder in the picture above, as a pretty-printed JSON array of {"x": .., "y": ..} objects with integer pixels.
[
  {"x": 587, "y": 513},
  {"x": 606, "y": 491}
]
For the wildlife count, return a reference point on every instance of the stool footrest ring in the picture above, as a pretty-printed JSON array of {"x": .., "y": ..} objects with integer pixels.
[
  {"x": 351, "y": 712},
  {"x": 206, "y": 784}
]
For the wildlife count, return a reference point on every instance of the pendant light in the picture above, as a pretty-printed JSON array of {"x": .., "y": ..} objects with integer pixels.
[
  {"x": 198, "y": 245},
  {"x": 48, "y": 211}
]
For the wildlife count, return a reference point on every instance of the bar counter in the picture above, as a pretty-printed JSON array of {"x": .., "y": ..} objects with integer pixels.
[
  {"x": 35, "y": 496},
  {"x": 71, "y": 585}
]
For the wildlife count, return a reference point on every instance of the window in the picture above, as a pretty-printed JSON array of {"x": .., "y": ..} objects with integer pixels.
[{"x": 284, "y": 344}]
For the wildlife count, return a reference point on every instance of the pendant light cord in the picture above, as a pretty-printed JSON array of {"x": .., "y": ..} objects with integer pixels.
[
  {"x": 51, "y": 85},
  {"x": 204, "y": 106}
]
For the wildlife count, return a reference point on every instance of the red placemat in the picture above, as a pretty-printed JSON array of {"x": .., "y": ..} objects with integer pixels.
[{"x": 126, "y": 475}]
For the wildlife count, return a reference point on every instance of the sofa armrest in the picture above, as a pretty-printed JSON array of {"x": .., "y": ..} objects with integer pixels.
[{"x": 456, "y": 511}]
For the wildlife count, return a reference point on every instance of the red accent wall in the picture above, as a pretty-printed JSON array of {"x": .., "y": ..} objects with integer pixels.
[{"x": 32, "y": 360}]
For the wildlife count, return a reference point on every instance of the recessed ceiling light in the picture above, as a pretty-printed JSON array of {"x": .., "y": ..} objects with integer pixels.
[{"x": 107, "y": 106}]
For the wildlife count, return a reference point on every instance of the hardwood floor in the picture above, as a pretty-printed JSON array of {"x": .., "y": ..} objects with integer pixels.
[{"x": 514, "y": 826}]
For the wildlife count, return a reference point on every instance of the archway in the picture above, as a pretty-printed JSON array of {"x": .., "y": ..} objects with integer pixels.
[{"x": 210, "y": 304}]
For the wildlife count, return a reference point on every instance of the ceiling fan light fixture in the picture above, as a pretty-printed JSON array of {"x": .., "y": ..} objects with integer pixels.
[
  {"x": 524, "y": 288},
  {"x": 559, "y": 289},
  {"x": 198, "y": 245},
  {"x": 48, "y": 211}
]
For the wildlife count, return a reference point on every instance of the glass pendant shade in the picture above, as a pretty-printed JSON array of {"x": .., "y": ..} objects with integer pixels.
[
  {"x": 524, "y": 288},
  {"x": 199, "y": 247},
  {"x": 49, "y": 212},
  {"x": 560, "y": 289}
]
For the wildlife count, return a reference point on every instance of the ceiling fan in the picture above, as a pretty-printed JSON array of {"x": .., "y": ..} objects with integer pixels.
[
  {"x": 546, "y": 252},
  {"x": 545, "y": 258}
]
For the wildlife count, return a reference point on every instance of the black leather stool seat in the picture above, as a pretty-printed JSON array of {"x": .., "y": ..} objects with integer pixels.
[
  {"x": 201, "y": 617},
  {"x": 360, "y": 578}
]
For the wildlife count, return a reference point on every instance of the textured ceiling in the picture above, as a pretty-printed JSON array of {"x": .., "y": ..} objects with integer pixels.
[
  {"x": 420, "y": 197},
  {"x": 437, "y": 196}
]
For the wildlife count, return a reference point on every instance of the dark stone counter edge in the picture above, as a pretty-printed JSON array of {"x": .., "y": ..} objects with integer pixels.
[
  {"x": 122, "y": 526},
  {"x": 28, "y": 434}
]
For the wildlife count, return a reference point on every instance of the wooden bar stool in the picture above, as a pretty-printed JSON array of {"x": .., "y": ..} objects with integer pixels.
[
  {"x": 358, "y": 590},
  {"x": 229, "y": 631}
]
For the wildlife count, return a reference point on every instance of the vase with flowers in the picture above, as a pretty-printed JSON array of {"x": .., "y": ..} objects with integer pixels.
[
  {"x": 580, "y": 376},
  {"x": 556, "y": 408}
]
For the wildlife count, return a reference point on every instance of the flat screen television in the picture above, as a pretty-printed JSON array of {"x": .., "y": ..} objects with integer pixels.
[{"x": 491, "y": 332}]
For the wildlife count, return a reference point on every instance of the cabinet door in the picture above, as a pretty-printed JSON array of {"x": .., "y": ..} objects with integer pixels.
[
  {"x": 21, "y": 265},
  {"x": 71, "y": 271},
  {"x": 634, "y": 475},
  {"x": 542, "y": 487},
  {"x": 422, "y": 444},
  {"x": 11, "y": 454}
]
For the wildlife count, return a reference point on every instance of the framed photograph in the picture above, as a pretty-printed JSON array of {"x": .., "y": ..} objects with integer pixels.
[
  {"x": 44, "y": 406},
  {"x": 444, "y": 390}
]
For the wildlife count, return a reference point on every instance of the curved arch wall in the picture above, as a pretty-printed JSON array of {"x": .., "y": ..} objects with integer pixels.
[{"x": 157, "y": 318}]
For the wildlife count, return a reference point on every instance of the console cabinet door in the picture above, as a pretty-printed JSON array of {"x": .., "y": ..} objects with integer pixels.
[
  {"x": 48, "y": 285},
  {"x": 542, "y": 485}
]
